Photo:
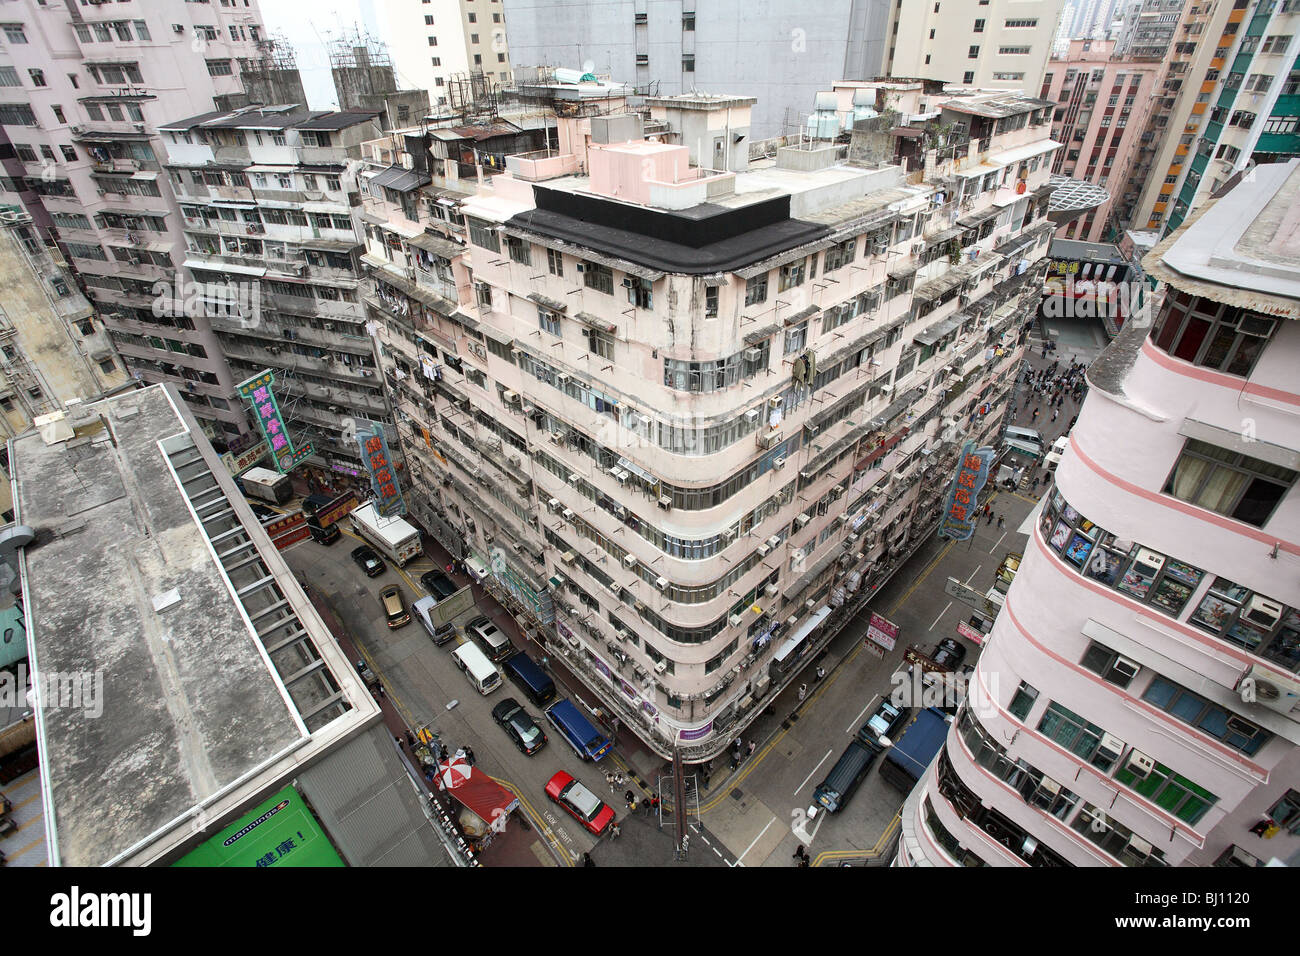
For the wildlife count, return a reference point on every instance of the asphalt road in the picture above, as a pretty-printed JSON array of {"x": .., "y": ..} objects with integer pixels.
[{"x": 421, "y": 680}]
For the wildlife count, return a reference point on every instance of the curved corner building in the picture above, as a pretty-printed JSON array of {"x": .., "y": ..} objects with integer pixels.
[{"x": 1137, "y": 701}]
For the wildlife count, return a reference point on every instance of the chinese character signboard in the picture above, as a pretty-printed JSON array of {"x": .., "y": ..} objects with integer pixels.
[
  {"x": 383, "y": 479},
  {"x": 960, "y": 512},
  {"x": 280, "y": 832},
  {"x": 257, "y": 390},
  {"x": 882, "y": 632}
]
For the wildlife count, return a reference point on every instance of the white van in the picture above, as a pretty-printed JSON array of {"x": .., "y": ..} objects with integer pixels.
[
  {"x": 480, "y": 671},
  {"x": 1058, "y": 450}
]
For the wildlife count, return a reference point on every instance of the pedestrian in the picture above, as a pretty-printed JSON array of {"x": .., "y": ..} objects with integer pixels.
[
  {"x": 410, "y": 740},
  {"x": 615, "y": 831},
  {"x": 735, "y": 760},
  {"x": 587, "y": 860},
  {"x": 631, "y": 807},
  {"x": 1055, "y": 412},
  {"x": 379, "y": 689},
  {"x": 803, "y": 692},
  {"x": 628, "y": 797},
  {"x": 821, "y": 672},
  {"x": 609, "y": 779},
  {"x": 1034, "y": 417},
  {"x": 469, "y": 756},
  {"x": 1001, "y": 523},
  {"x": 989, "y": 516},
  {"x": 619, "y": 779},
  {"x": 752, "y": 747}
]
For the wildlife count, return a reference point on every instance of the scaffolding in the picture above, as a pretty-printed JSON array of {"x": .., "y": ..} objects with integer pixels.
[{"x": 356, "y": 49}]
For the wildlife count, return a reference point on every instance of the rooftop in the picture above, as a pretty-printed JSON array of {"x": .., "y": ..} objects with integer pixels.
[
  {"x": 124, "y": 581},
  {"x": 993, "y": 105},
  {"x": 1242, "y": 248}
]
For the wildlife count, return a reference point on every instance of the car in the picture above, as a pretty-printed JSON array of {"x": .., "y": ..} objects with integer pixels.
[
  {"x": 580, "y": 803},
  {"x": 394, "y": 610},
  {"x": 949, "y": 653},
  {"x": 885, "y": 722},
  {"x": 1006, "y": 572},
  {"x": 440, "y": 635},
  {"x": 264, "y": 514},
  {"x": 494, "y": 641},
  {"x": 438, "y": 585},
  {"x": 519, "y": 724},
  {"x": 368, "y": 561}
]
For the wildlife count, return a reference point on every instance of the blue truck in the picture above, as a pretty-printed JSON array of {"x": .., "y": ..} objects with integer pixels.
[{"x": 905, "y": 762}]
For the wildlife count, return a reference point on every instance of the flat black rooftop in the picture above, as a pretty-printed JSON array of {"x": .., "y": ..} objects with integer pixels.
[{"x": 701, "y": 240}]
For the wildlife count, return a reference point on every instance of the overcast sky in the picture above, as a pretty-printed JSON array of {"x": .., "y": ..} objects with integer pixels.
[{"x": 309, "y": 26}]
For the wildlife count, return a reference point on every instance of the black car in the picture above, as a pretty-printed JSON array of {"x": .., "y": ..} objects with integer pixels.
[
  {"x": 264, "y": 514},
  {"x": 523, "y": 730},
  {"x": 887, "y": 720},
  {"x": 368, "y": 561},
  {"x": 949, "y": 654},
  {"x": 438, "y": 585}
]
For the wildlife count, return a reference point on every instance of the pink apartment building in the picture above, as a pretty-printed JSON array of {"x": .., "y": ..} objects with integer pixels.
[{"x": 1102, "y": 105}]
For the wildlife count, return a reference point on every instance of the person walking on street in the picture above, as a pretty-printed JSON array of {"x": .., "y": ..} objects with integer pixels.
[
  {"x": 1001, "y": 523},
  {"x": 1034, "y": 417},
  {"x": 609, "y": 779},
  {"x": 988, "y": 515},
  {"x": 469, "y": 755},
  {"x": 800, "y": 853},
  {"x": 628, "y": 797},
  {"x": 803, "y": 692},
  {"x": 821, "y": 672},
  {"x": 1055, "y": 412},
  {"x": 752, "y": 747},
  {"x": 614, "y": 831},
  {"x": 587, "y": 860}
]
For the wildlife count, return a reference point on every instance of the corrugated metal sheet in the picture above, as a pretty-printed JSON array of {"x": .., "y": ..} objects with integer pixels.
[{"x": 368, "y": 803}]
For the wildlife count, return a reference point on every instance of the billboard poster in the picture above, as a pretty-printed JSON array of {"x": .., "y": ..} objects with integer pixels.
[
  {"x": 383, "y": 479},
  {"x": 257, "y": 391},
  {"x": 882, "y": 632},
  {"x": 961, "y": 509},
  {"x": 279, "y": 832}
]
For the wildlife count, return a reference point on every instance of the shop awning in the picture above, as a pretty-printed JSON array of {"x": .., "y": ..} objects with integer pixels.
[
  {"x": 791, "y": 643},
  {"x": 475, "y": 790}
]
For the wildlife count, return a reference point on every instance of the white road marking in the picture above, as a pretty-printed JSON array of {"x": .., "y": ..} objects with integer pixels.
[
  {"x": 978, "y": 566},
  {"x": 809, "y": 777},
  {"x": 849, "y": 728},
  {"x": 756, "y": 839},
  {"x": 715, "y": 850},
  {"x": 997, "y": 542},
  {"x": 941, "y": 614}
]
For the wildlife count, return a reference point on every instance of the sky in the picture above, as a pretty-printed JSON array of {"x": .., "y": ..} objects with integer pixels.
[{"x": 309, "y": 25}]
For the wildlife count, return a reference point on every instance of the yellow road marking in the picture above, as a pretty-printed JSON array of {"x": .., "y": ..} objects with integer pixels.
[
  {"x": 875, "y": 851},
  {"x": 538, "y": 822}
]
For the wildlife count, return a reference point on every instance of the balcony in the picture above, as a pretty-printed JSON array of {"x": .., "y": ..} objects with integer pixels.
[{"x": 541, "y": 164}]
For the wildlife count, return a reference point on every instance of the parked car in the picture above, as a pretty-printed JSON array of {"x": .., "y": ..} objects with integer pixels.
[
  {"x": 394, "y": 610},
  {"x": 421, "y": 609},
  {"x": 494, "y": 641},
  {"x": 885, "y": 722},
  {"x": 368, "y": 561},
  {"x": 949, "y": 654},
  {"x": 519, "y": 724},
  {"x": 438, "y": 585},
  {"x": 583, "y": 805},
  {"x": 264, "y": 514}
]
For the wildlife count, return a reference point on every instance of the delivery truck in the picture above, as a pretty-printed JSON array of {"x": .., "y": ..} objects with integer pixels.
[
  {"x": 266, "y": 484},
  {"x": 906, "y": 761},
  {"x": 394, "y": 538}
]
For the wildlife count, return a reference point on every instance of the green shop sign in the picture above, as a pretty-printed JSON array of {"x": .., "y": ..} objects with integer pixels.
[{"x": 280, "y": 832}]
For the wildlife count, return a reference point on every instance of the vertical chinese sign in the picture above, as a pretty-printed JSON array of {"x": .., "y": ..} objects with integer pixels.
[
  {"x": 961, "y": 510},
  {"x": 257, "y": 390},
  {"x": 374, "y": 451}
]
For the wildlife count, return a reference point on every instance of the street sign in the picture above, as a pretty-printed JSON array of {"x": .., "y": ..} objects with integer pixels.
[
  {"x": 968, "y": 632},
  {"x": 882, "y": 632},
  {"x": 970, "y": 597}
]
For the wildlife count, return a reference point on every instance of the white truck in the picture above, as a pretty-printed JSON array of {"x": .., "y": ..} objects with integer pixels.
[
  {"x": 266, "y": 484},
  {"x": 394, "y": 538}
]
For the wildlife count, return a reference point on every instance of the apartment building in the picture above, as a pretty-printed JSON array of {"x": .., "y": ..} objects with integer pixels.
[
  {"x": 83, "y": 88},
  {"x": 1195, "y": 56},
  {"x": 1256, "y": 107},
  {"x": 268, "y": 198},
  {"x": 434, "y": 42},
  {"x": 814, "y": 337},
  {"x": 1148, "y": 28},
  {"x": 1136, "y": 702},
  {"x": 53, "y": 348},
  {"x": 780, "y": 52},
  {"x": 1103, "y": 104},
  {"x": 983, "y": 44}
]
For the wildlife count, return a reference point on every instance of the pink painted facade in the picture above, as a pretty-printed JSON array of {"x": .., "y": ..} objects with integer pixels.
[
  {"x": 1102, "y": 107},
  {"x": 1138, "y": 702}
]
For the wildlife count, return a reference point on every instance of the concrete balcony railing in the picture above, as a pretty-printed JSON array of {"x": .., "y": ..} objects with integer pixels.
[{"x": 541, "y": 164}]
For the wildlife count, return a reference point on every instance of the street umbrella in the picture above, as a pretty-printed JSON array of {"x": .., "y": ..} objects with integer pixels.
[{"x": 453, "y": 772}]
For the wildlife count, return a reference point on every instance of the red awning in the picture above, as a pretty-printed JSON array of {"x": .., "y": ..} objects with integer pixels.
[{"x": 475, "y": 790}]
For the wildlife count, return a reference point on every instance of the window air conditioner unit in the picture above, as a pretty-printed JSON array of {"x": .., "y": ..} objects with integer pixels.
[
  {"x": 809, "y": 604},
  {"x": 1263, "y": 613},
  {"x": 802, "y": 520},
  {"x": 661, "y": 667},
  {"x": 736, "y": 620},
  {"x": 620, "y": 511},
  {"x": 568, "y": 514},
  {"x": 751, "y": 416},
  {"x": 753, "y": 355},
  {"x": 666, "y": 502},
  {"x": 778, "y": 463},
  {"x": 729, "y": 536},
  {"x": 574, "y": 479},
  {"x": 622, "y": 476},
  {"x": 553, "y": 506},
  {"x": 887, "y": 389},
  {"x": 629, "y": 561},
  {"x": 837, "y": 493},
  {"x": 776, "y": 401},
  {"x": 1139, "y": 764},
  {"x": 557, "y": 437},
  {"x": 770, "y": 590},
  {"x": 1110, "y": 746},
  {"x": 661, "y": 584},
  {"x": 509, "y": 397},
  {"x": 764, "y": 550},
  {"x": 620, "y": 634},
  {"x": 1126, "y": 667},
  {"x": 774, "y": 541},
  {"x": 562, "y": 377},
  {"x": 568, "y": 557}
]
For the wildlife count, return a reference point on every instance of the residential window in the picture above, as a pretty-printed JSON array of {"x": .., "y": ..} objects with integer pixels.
[
  {"x": 219, "y": 68},
  {"x": 640, "y": 292},
  {"x": 1286, "y": 812},
  {"x": 756, "y": 289},
  {"x": 555, "y": 262},
  {"x": 1020, "y": 24},
  {"x": 600, "y": 342},
  {"x": 14, "y": 33},
  {"x": 1023, "y": 701},
  {"x": 1258, "y": 82},
  {"x": 142, "y": 30},
  {"x": 688, "y": 22},
  {"x": 1109, "y": 665},
  {"x": 478, "y": 59},
  {"x": 711, "y": 302},
  {"x": 38, "y": 77},
  {"x": 979, "y": 28},
  {"x": 9, "y": 76},
  {"x": 473, "y": 37},
  {"x": 482, "y": 234},
  {"x": 1276, "y": 44},
  {"x": 518, "y": 250},
  {"x": 1229, "y": 483},
  {"x": 796, "y": 338},
  {"x": 548, "y": 321},
  {"x": 688, "y": 64},
  {"x": 108, "y": 366},
  {"x": 600, "y": 278},
  {"x": 1203, "y": 332},
  {"x": 973, "y": 53},
  {"x": 58, "y": 114},
  {"x": 1077, "y": 735},
  {"x": 1169, "y": 791},
  {"x": 792, "y": 274},
  {"x": 969, "y": 77},
  {"x": 1015, "y": 51}
]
